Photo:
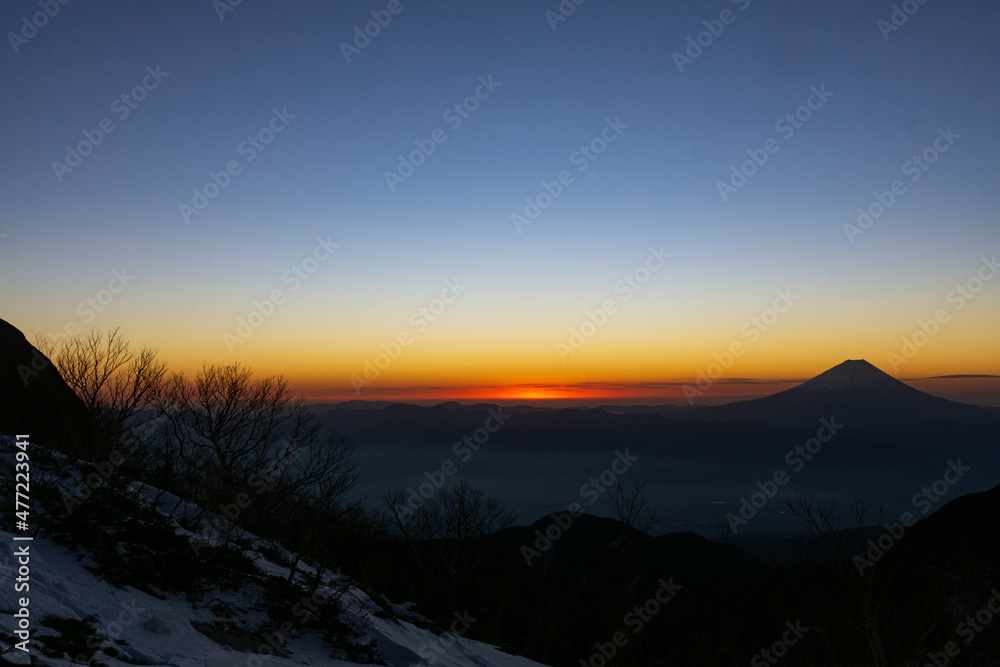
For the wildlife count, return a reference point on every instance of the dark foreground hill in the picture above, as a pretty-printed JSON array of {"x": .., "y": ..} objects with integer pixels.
[{"x": 34, "y": 398}]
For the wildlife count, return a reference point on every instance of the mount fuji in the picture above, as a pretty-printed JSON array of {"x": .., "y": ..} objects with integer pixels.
[{"x": 856, "y": 393}]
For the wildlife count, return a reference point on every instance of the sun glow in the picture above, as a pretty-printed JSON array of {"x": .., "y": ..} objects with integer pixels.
[{"x": 533, "y": 394}]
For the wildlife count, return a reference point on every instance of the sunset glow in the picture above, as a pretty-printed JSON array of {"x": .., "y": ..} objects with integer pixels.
[{"x": 640, "y": 275}]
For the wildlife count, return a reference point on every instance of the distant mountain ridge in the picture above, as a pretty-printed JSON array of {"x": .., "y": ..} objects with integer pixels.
[{"x": 857, "y": 393}]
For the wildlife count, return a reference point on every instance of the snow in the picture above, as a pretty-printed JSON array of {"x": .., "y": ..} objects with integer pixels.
[{"x": 160, "y": 632}]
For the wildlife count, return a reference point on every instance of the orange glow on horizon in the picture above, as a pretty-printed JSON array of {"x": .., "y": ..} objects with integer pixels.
[
  {"x": 623, "y": 365},
  {"x": 542, "y": 393},
  {"x": 982, "y": 390}
]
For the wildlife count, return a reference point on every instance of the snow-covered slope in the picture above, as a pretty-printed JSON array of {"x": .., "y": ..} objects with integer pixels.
[{"x": 137, "y": 627}]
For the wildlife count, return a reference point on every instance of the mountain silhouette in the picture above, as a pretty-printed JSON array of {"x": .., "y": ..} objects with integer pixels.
[
  {"x": 856, "y": 393},
  {"x": 34, "y": 398},
  {"x": 592, "y": 549}
]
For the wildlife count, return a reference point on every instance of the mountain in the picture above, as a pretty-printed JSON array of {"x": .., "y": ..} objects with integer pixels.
[
  {"x": 34, "y": 398},
  {"x": 962, "y": 535},
  {"x": 591, "y": 549},
  {"x": 856, "y": 393}
]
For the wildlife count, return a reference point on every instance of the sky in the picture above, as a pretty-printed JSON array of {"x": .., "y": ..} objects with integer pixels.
[{"x": 519, "y": 200}]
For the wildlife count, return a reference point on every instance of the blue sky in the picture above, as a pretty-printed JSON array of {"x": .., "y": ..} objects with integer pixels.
[{"x": 656, "y": 184}]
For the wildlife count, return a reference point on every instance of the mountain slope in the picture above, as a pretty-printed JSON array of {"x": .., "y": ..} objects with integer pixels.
[
  {"x": 75, "y": 607},
  {"x": 144, "y": 629},
  {"x": 591, "y": 546},
  {"x": 856, "y": 393},
  {"x": 34, "y": 398}
]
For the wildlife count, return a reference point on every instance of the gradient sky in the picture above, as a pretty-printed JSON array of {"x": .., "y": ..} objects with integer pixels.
[{"x": 323, "y": 177}]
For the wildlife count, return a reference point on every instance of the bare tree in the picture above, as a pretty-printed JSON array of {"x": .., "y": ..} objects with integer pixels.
[
  {"x": 459, "y": 513},
  {"x": 231, "y": 434},
  {"x": 313, "y": 487},
  {"x": 467, "y": 512},
  {"x": 447, "y": 525},
  {"x": 115, "y": 382},
  {"x": 839, "y": 545},
  {"x": 630, "y": 507},
  {"x": 233, "y": 442},
  {"x": 402, "y": 517},
  {"x": 229, "y": 429}
]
